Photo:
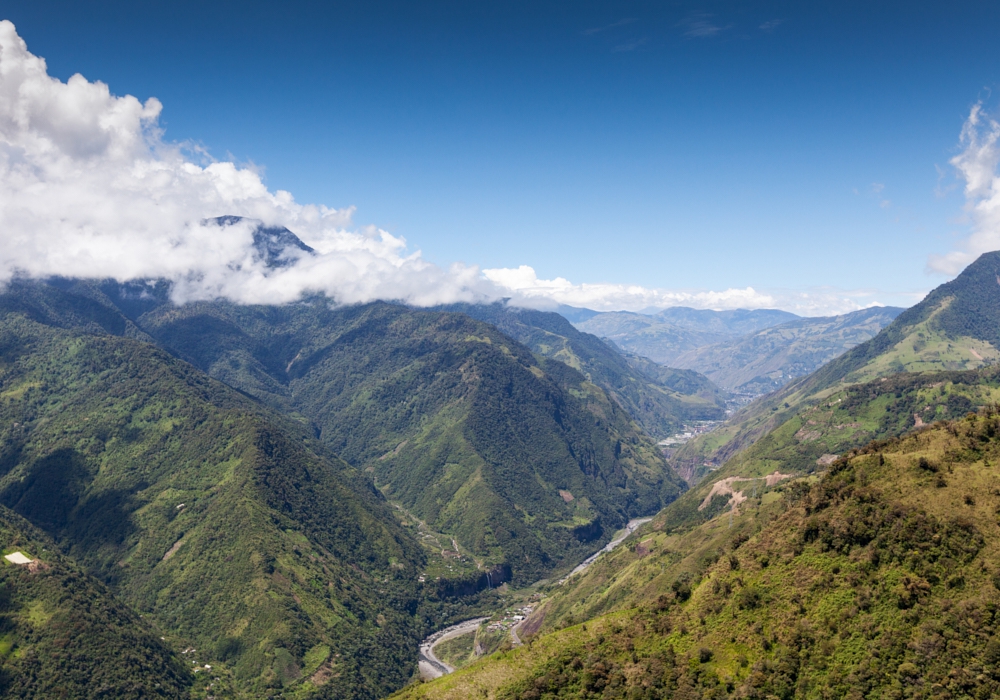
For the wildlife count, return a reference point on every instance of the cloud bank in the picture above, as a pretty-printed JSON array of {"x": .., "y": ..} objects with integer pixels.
[
  {"x": 977, "y": 166},
  {"x": 89, "y": 187},
  {"x": 528, "y": 290}
]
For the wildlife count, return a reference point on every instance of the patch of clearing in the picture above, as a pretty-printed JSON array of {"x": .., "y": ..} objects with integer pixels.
[
  {"x": 724, "y": 487},
  {"x": 173, "y": 550}
]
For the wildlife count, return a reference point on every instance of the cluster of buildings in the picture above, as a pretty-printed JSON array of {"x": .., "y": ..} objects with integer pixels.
[
  {"x": 510, "y": 619},
  {"x": 690, "y": 432}
]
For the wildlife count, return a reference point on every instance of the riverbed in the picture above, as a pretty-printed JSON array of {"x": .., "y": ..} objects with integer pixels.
[{"x": 432, "y": 667}]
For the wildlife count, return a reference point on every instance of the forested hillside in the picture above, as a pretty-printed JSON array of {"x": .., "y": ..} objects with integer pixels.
[
  {"x": 63, "y": 634},
  {"x": 879, "y": 579},
  {"x": 226, "y": 526},
  {"x": 525, "y": 462},
  {"x": 660, "y": 399}
]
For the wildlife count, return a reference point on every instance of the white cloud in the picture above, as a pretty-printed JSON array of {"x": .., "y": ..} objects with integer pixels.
[
  {"x": 89, "y": 188},
  {"x": 526, "y": 289},
  {"x": 977, "y": 166},
  {"x": 699, "y": 25}
]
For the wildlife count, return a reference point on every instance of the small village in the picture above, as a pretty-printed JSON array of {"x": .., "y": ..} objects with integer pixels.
[
  {"x": 689, "y": 432},
  {"x": 511, "y": 619}
]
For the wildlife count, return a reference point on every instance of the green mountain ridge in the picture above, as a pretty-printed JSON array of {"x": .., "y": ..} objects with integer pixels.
[
  {"x": 63, "y": 634},
  {"x": 877, "y": 579},
  {"x": 411, "y": 396},
  {"x": 660, "y": 399},
  {"x": 452, "y": 418},
  {"x": 800, "y": 448},
  {"x": 956, "y": 327},
  {"x": 227, "y": 525}
]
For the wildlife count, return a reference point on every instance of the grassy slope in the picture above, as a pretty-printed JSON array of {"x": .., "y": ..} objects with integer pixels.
[
  {"x": 279, "y": 555},
  {"x": 956, "y": 327},
  {"x": 850, "y": 419},
  {"x": 63, "y": 634},
  {"x": 660, "y": 399},
  {"x": 459, "y": 423},
  {"x": 766, "y": 360},
  {"x": 878, "y": 579}
]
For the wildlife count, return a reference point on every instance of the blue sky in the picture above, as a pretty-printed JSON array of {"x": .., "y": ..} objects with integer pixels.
[{"x": 678, "y": 145}]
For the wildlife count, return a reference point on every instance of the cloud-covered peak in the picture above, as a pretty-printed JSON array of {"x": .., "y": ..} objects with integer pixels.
[{"x": 91, "y": 189}]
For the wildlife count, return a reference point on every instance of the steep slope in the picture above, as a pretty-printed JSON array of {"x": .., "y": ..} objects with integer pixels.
[
  {"x": 956, "y": 327},
  {"x": 661, "y": 400},
  {"x": 768, "y": 359},
  {"x": 63, "y": 634},
  {"x": 803, "y": 446},
  {"x": 421, "y": 401},
  {"x": 879, "y": 579},
  {"x": 670, "y": 333},
  {"x": 846, "y": 419},
  {"x": 525, "y": 462},
  {"x": 226, "y": 525}
]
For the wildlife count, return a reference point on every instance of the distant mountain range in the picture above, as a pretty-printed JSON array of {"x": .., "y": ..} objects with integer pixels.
[
  {"x": 765, "y": 360},
  {"x": 955, "y": 327},
  {"x": 745, "y": 352},
  {"x": 668, "y": 334}
]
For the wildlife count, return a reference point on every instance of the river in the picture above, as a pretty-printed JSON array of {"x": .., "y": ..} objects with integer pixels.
[{"x": 432, "y": 667}]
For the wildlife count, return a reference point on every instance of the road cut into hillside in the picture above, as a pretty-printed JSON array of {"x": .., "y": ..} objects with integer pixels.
[
  {"x": 622, "y": 535},
  {"x": 432, "y": 667}
]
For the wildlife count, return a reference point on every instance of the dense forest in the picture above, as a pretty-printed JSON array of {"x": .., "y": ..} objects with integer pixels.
[
  {"x": 227, "y": 525},
  {"x": 523, "y": 460},
  {"x": 661, "y": 399},
  {"x": 223, "y": 514}
]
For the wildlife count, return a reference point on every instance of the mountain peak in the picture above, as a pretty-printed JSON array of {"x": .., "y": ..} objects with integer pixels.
[{"x": 270, "y": 242}]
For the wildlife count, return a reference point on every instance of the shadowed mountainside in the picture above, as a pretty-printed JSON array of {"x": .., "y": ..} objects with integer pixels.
[
  {"x": 660, "y": 399},
  {"x": 227, "y": 525}
]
